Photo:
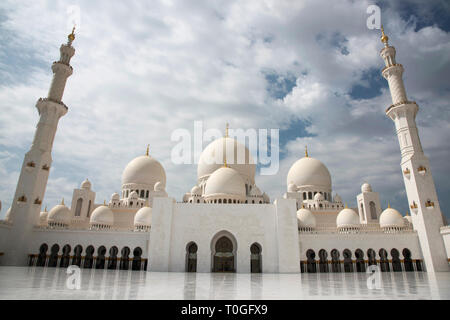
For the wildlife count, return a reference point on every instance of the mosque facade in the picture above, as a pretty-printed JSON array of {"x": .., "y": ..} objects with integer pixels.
[{"x": 226, "y": 223}]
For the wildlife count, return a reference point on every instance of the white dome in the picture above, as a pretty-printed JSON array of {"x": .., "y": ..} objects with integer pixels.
[
  {"x": 306, "y": 218},
  {"x": 8, "y": 215},
  {"x": 207, "y": 164},
  {"x": 143, "y": 217},
  {"x": 133, "y": 195},
  {"x": 319, "y": 197},
  {"x": 102, "y": 216},
  {"x": 347, "y": 218},
  {"x": 59, "y": 214},
  {"x": 159, "y": 186},
  {"x": 115, "y": 196},
  {"x": 255, "y": 192},
  {"x": 86, "y": 184},
  {"x": 337, "y": 198},
  {"x": 292, "y": 187},
  {"x": 43, "y": 218},
  {"x": 391, "y": 218},
  {"x": 308, "y": 171},
  {"x": 196, "y": 190},
  {"x": 225, "y": 181},
  {"x": 366, "y": 188},
  {"x": 144, "y": 170}
]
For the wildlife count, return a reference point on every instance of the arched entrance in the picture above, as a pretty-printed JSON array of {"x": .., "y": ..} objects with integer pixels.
[
  {"x": 191, "y": 257},
  {"x": 255, "y": 258},
  {"x": 224, "y": 253}
]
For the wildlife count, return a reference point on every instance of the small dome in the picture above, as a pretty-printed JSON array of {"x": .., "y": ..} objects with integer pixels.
[
  {"x": 133, "y": 195},
  {"x": 102, "y": 216},
  {"x": 159, "y": 186},
  {"x": 308, "y": 171},
  {"x": 225, "y": 181},
  {"x": 408, "y": 219},
  {"x": 319, "y": 197},
  {"x": 366, "y": 188},
  {"x": 143, "y": 217},
  {"x": 59, "y": 214},
  {"x": 115, "y": 196},
  {"x": 144, "y": 170},
  {"x": 43, "y": 218},
  {"x": 196, "y": 191},
  {"x": 292, "y": 187},
  {"x": 306, "y": 218},
  {"x": 255, "y": 192},
  {"x": 391, "y": 218},
  {"x": 86, "y": 184},
  {"x": 8, "y": 215},
  {"x": 347, "y": 218},
  {"x": 337, "y": 198}
]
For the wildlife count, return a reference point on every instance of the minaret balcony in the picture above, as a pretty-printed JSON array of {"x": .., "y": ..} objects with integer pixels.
[
  {"x": 414, "y": 207},
  {"x": 429, "y": 204},
  {"x": 407, "y": 173},
  {"x": 399, "y": 104},
  {"x": 422, "y": 170},
  {"x": 392, "y": 65}
]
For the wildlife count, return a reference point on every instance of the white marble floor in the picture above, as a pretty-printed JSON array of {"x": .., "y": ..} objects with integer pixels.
[{"x": 50, "y": 283}]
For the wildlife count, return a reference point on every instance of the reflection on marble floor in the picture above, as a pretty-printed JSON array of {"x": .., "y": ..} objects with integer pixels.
[{"x": 50, "y": 283}]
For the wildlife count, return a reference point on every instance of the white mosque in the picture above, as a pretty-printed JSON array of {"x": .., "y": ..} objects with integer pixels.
[{"x": 225, "y": 223}]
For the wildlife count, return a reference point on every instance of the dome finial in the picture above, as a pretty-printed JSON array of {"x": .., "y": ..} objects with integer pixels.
[
  {"x": 384, "y": 37},
  {"x": 104, "y": 202},
  {"x": 226, "y": 130},
  {"x": 346, "y": 205},
  {"x": 407, "y": 213},
  {"x": 303, "y": 205},
  {"x": 148, "y": 149},
  {"x": 389, "y": 204},
  {"x": 62, "y": 201},
  {"x": 306, "y": 152},
  {"x": 71, "y": 36},
  {"x": 45, "y": 210}
]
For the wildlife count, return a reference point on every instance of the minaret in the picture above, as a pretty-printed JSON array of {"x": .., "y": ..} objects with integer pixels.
[
  {"x": 36, "y": 166},
  {"x": 419, "y": 184}
]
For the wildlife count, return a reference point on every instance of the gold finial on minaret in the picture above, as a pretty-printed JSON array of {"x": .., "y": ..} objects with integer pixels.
[
  {"x": 148, "y": 149},
  {"x": 346, "y": 205},
  {"x": 407, "y": 213},
  {"x": 45, "y": 210},
  {"x": 384, "y": 37},
  {"x": 306, "y": 152},
  {"x": 389, "y": 204},
  {"x": 62, "y": 202},
  {"x": 71, "y": 36},
  {"x": 104, "y": 202}
]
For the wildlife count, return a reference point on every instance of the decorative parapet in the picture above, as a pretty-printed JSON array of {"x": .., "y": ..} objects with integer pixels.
[
  {"x": 392, "y": 65},
  {"x": 399, "y": 104}
]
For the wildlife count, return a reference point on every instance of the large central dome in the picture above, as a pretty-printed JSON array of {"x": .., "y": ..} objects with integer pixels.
[
  {"x": 308, "y": 171},
  {"x": 208, "y": 163},
  {"x": 144, "y": 170}
]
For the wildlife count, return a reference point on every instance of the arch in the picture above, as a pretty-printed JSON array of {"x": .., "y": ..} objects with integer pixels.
[
  {"x": 78, "y": 207},
  {"x": 223, "y": 249},
  {"x": 136, "y": 263},
  {"x": 65, "y": 258},
  {"x": 42, "y": 257},
  {"x": 255, "y": 258},
  {"x": 373, "y": 210},
  {"x": 112, "y": 261},
  {"x": 384, "y": 263},
  {"x": 53, "y": 259},
  {"x": 191, "y": 257},
  {"x": 323, "y": 261},
  {"x": 396, "y": 263},
  {"x": 360, "y": 263},
  {"x": 311, "y": 261},
  {"x": 335, "y": 262},
  {"x": 142, "y": 194},
  {"x": 407, "y": 262},
  {"x": 348, "y": 263},
  {"x": 100, "y": 263},
  {"x": 372, "y": 257},
  {"x": 305, "y": 196},
  {"x": 124, "y": 258},
  {"x": 77, "y": 251},
  {"x": 89, "y": 257},
  {"x": 310, "y": 195}
]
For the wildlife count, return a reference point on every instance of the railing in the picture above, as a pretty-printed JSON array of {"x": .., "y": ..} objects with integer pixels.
[
  {"x": 361, "y": 229},
  {"x": 388, "y": 265},
  {"x": 400, "y": 103},
  {"x": 392, "y": 65}
]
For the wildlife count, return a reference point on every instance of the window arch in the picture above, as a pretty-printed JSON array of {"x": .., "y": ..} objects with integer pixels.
[
  {"x": 311, "y": 261},
  {"x": 53, "y": 260},
  {"x": 360, "y": 263},
  {"x": 191, "y": 257},
  {"x": 384, "y": 262},
  {"x": 100, "y": 264},
  {"x": 42, "y": 257},
  {"x": 407, "y": 260},
  {"x": 89, "y": 258},
  {"x": 396, "y": 263},
  {"x": 348, "y": 263},
  {"x": 255, "y": 258},
  {"x": 78, "y": 207},
  {"x": 136, "y": 264},
  {"x": 65, "y": 258},
  {"x": 112, "y": 262},
  {"x": 373, "y": 210},
  {"x": 323, "y": 261},
  {"x": 335, "y": 262},
  {"x": 76, "y": 260},
  {"x": 124, "y": 258}
]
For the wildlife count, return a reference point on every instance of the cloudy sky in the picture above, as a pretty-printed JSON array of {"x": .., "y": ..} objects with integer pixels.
[{"x": 143, "y": 69}]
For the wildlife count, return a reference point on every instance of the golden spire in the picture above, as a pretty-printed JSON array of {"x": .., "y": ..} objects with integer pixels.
[
  {"x": 407, "y": 213},
  {"x": 62, "y": 201},
  {"x": 148, "y": 149},
  {"x": 346, "y": 205},
  {"x": 225, "y": 161},
  {"x": 303, "y": 205},
  {"x": 384, "y": 37},
  {"x": 71, "y": 36},
  {"x": 389, "y": 205},
  {"x": 306, "y": 152},
  {"x": 45, "y": 210},
  {"x": 104, "y": 202},
  {"x": 226, "y": 130}
]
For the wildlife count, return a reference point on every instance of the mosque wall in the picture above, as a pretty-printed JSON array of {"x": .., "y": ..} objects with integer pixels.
[
  {"x": 4, "y": 233},
  {"x": 176, "y": 225},
  {"x": 363, "y": 241}
]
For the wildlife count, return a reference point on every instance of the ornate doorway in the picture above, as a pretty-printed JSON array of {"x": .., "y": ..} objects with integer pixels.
[{"x": 224, "y": 256}]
